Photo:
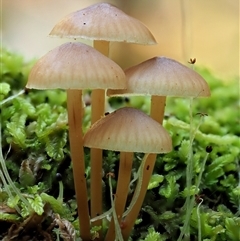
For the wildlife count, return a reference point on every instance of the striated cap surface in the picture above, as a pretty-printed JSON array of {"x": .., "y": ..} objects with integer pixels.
[
  {"x": 103, "y": 21},
  {"x": 165, "y": 77},
  {"x": 129, "y": 130},
  {"x": 75, "y": 66}
]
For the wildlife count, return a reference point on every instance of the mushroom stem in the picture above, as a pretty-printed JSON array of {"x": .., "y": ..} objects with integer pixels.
[
  {"x": 132, "y": 215},
  {"x": 157, "y": 108},
  {"x": 98, "y": 110},
  {"x": 157, "y": 113},
  {"x": 74, "y": 106},
  {"x": 124, "y": 177}
]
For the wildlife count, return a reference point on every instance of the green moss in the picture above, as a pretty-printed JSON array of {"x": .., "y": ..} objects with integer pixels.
[{"x": 35, "y": 133}]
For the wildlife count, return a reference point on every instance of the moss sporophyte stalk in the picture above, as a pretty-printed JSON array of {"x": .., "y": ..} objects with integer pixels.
[{"x": 39, "y": 187}]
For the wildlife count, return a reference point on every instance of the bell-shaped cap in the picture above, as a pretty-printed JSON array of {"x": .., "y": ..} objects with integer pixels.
[
  {"x": 128, "y": 130},
  {"x": 103, "y": 21},
  {"x": 75, "y": 66},
  {"x": 163, "y": 76}
]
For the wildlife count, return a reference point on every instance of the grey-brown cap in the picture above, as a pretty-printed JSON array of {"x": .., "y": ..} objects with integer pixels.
[
  {"x": 128, "y": 130},
  {"x": 164, "y": 77},
  {"x": 75, "y": 66},
  {"x": 103, "y": 21}
]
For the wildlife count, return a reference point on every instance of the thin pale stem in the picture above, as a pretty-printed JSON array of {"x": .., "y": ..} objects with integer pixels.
[
  {"x": 12, "y": 97},
  {"x": 190, "y": 155},
  {"x": 74, "y": 105},
  {"x": 60, "y": 195},
  {"x": 4, "y": 168},
  {"x": 7, "y": 189},
  {"x": 124, "y": 177},
  {"x": 8, "y": 178},
  {"x": 201, "y": 200},
  {"x": 189, "y": 174},
  {"x": 157, "y": 113},
  {"x": 118, "y": 235},
  {"x": 199, "y": 221},
  {"x": 192, "y": 200},
  {"x": 144, "y": 181},
  {"x": 12, "y": 185},
  {"x": 138, "y": 187},
  {"x": 139, "y": 177}
]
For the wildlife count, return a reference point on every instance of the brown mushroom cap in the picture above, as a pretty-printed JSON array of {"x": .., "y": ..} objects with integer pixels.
[
  {"x": 128, "y": 130},
  {"x": 75, "y": 66},
  {"x": 164, "y": 77},
  {"x": 103, "y": 21}
]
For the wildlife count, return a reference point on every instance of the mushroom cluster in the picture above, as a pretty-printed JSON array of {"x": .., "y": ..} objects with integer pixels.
[
  {"x": 159, "y": 77},
  {"x": 73, "y": 67},
  {"x": 103, "y": 23}
]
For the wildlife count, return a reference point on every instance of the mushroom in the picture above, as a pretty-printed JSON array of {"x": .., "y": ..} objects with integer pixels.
[
  {"x": 127, "y": 130},
  {"x": 73, "y": 67},
  {"x": 158, "y": 77},
  {"x": 102, "y": 23}
]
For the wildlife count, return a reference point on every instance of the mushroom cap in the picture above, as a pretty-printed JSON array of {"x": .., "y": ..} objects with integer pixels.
[
  {"x": 164, "y": 77},
  {"x": 103, "y": 21},
  {"x": 128, "y": 130},
  {"x": 75, "y": 66}
]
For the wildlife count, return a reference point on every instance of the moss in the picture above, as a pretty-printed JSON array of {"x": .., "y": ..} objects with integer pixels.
[{"x": 35, "y": 146}]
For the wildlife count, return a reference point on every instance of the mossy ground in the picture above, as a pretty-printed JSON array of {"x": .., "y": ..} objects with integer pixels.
[{"x": 35, "y": 148}]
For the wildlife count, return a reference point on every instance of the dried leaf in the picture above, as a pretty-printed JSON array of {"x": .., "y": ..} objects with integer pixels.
[{"x": 67, "y": 231}]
